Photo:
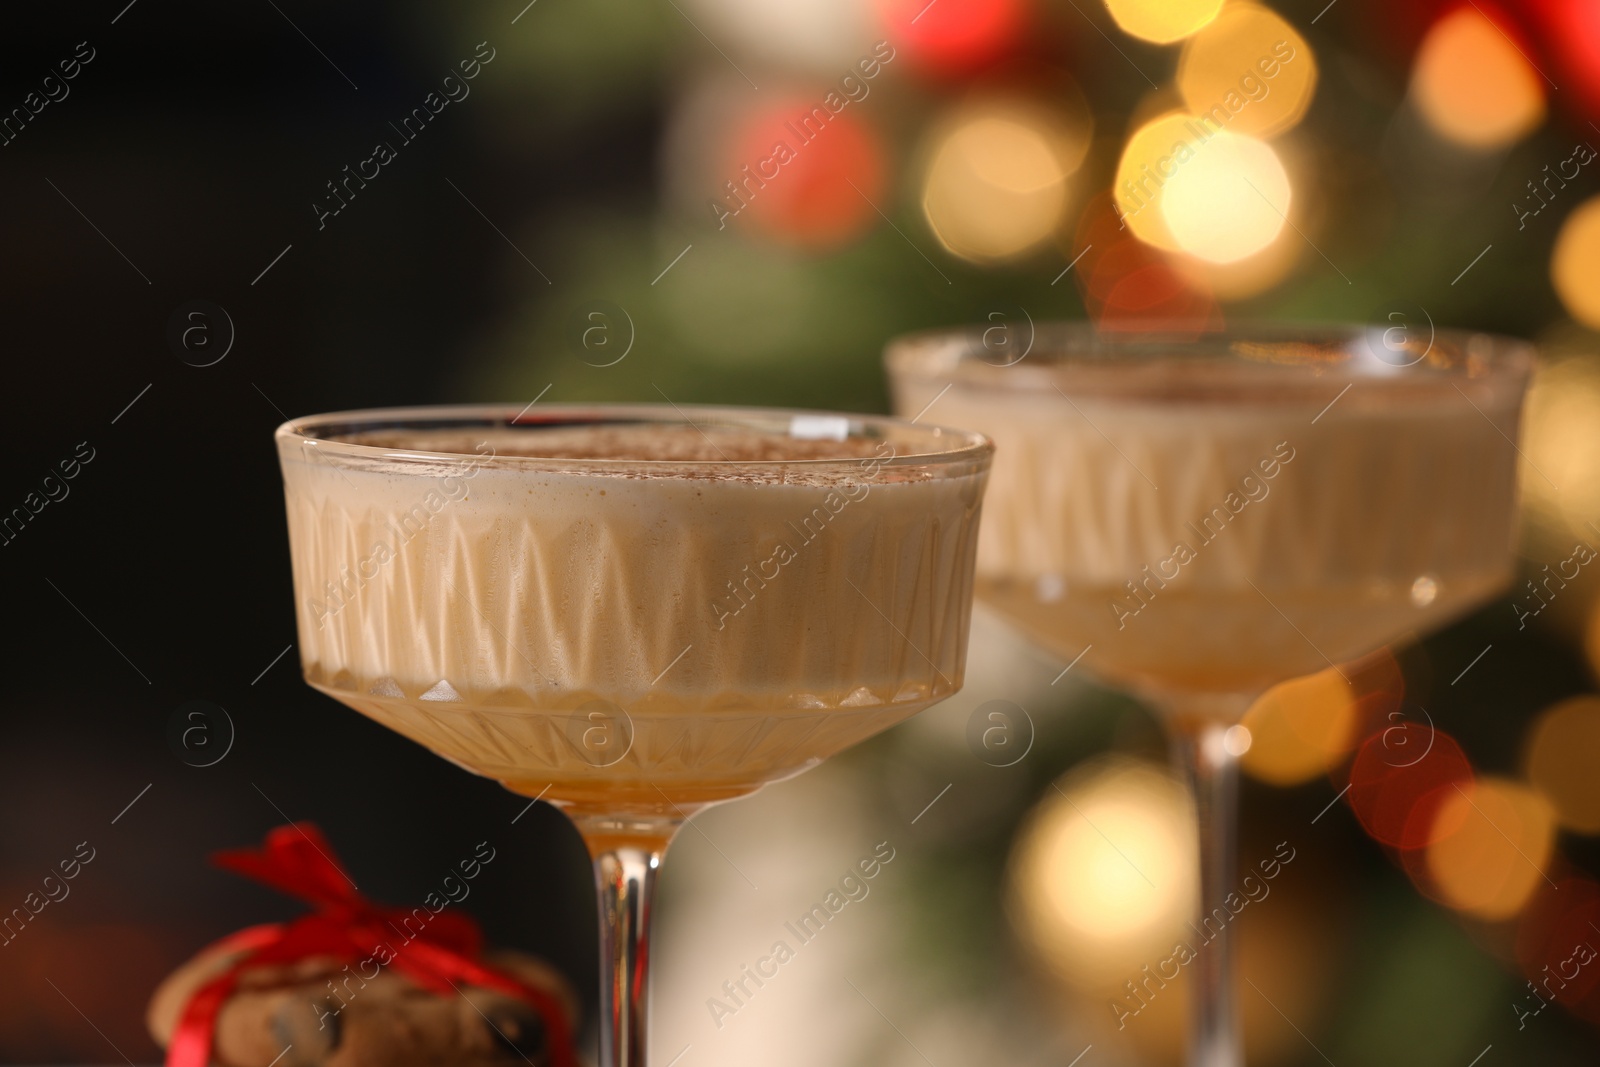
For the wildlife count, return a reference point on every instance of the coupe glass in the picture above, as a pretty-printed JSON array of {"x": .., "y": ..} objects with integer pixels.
[
  {"x": 1200, "y": 516},
  {"x": 632, "y": 612}
]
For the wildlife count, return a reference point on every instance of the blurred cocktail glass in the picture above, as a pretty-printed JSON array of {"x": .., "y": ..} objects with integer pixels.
[
  {"x": 1202, "y": 515},
  {"x": 631, "y": 612}
]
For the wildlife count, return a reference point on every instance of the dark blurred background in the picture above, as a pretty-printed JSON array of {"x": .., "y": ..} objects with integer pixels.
[{"x": 553, "y": 232}]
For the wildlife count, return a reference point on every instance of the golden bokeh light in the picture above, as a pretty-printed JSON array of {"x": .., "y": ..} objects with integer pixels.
[
  {"x": 1244, "y": 278},
  {"x": 1301, "y": 728},
  {"x": 1494, "y": 858},
  {"x": 1102, "y": 875},
  {"x": 1229, "y": 201},
  {"x": 1472, "y": 84},
  {"x": 1269, "y": 268},
  {"x": 1561, "y": 441},
  {"x": 1575, "y": 263},
  {"x": 1563, "y": 756},
  {"x": 1162, "y": 21},
  {"x": 996, "y": 184},
  {"x": 1148, "y": 160},
  {"x": 1248, "y": 71}
]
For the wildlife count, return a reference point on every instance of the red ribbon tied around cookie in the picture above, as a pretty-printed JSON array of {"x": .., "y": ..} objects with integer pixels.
[{"x": 442, "y": 956}]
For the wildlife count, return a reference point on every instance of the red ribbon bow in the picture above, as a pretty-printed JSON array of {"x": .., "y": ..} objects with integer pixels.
[{"x": 441, "y": 957}]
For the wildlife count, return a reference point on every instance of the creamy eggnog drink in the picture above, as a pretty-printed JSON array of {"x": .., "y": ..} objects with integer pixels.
[
  {"x": 627, "y": 614},
  {"x": 1201, "y": 526},
  {"x": 631, "y": 611},
  {"x": 1200, "y": 517}
]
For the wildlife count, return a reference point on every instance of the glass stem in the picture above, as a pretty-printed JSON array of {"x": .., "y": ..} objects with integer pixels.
[
  {"x": 1201, "y": 750},
  {"x": 627, "y": 856}
]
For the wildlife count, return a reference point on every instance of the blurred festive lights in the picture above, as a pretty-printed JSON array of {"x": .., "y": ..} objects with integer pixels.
[
  {"x": 1486, "y": 846},
  {"x": 1246, "y": 277},
  {"x": 1575, "y": 264},
  {"x": 803, "y": 175},
  {"x": 1570, "y": 32},
  {"x": 1128, "y": 286},
  {"x": 1562, "y": 757},
  {"x": 1096, "y": 910},
  {"x": 1301, "y": 729},
  {"x": 1162, "y": 21},
  {"x": 1184, "y": 186},
  {"x": 823, "y": 36},
  {"x": 1473, "y": 83},
  {"x": 1248, "y": 71},
  {"x": 996, "y": 183},
  {"x": 1149, "y": 160},
  {"x": 1495, "y": 840},
  {"x": 952, "y": 37},
  {"x": 1401, "y": 777},
  {"x": 1101, "y": 889},
  {"x": 1229, "y": 201},
  {"x": 1556, "y": 945},
  {"x": 1561, "y": 440}
]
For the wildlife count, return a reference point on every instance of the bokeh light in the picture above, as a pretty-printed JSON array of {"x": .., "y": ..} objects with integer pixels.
[
  {"x": 1571, "y": 34},
  {"x": 1380, "y": 683},
  {"x": 1103, "y": 873},
  {"x": 996, "y": 183},
  {"x": 1472, "y": 83},
  {"x": 1182, "y": 187},
  {"x": 1556, "y": 932},
  {"x": 1561, "y": 440},
  {"x": 1248, "y": 72},
  {"x": 1401, "y": 778},
  {"x": 1147, "y": 162},
  {"x": 1575, "y": 263},
  {"x": 1127, "y": 286},
  {"x": 804, "y": 176},
  {"x": 824, "y": 36},
  {"x": 1494, "y": 843},
  {"x": 1246, "y": 277},
  {"x": 1162, "y": 21},
  {"x": 1101, "y": 887},
  {"x": 1301, "y": 728},
  {"x": 1228, "y": 202},
  {"x": 951, "y": 37},
  {"x": 1563, "y": 758}
]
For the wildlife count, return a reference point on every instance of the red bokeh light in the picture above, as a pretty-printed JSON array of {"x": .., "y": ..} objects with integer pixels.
[
  {"x": 951, "y": 37},
  {"x": 804, "y": 176},
  {"x": 1570, "y": 33},
  {"x": 1561, "y": 919},
  {"x": 1127, "y": 286},
  {"x": 1400, "y": 777},
  {"x": 1396, "y": 30}
]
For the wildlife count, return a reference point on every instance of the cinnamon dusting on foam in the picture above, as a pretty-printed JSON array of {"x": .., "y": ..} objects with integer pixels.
[
  {"x": 652, "y": 442},
  {"x": 655, "y": 451}
]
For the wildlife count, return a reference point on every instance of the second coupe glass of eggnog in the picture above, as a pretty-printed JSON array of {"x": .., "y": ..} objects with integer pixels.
[
  {"x": 1201, "y": 516},
  {"x": 632, "y": 612}
]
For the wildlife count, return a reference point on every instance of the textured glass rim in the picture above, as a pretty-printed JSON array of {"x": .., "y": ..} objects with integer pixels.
[
  {"x": 958, "y": 446},
  {"x": 1056, "y": 348}
]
